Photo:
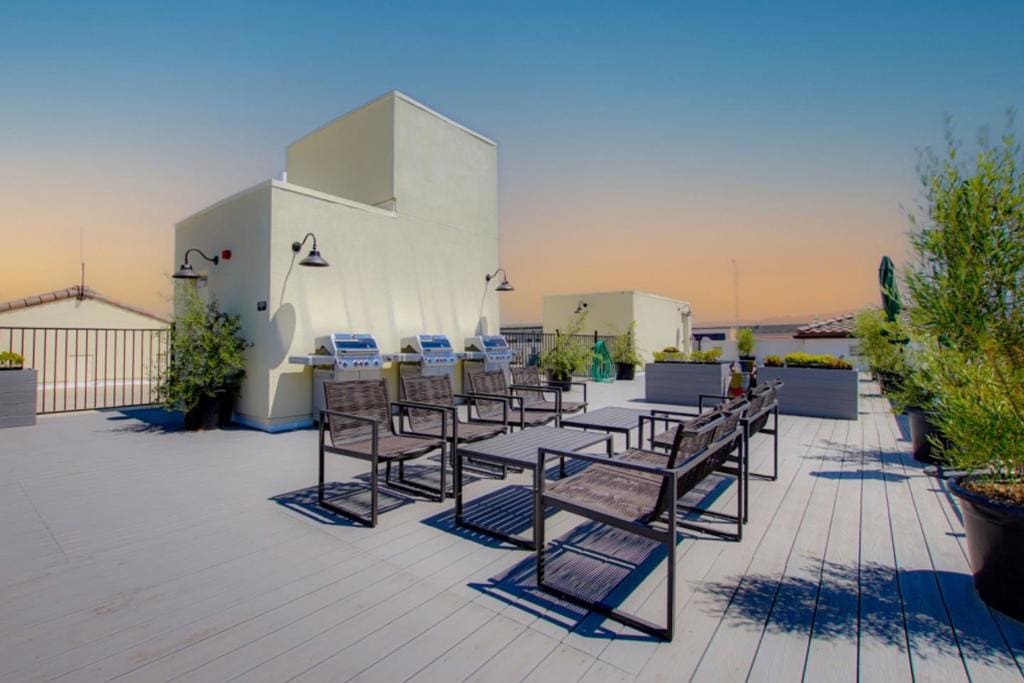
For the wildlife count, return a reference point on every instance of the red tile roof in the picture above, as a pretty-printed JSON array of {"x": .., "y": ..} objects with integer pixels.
[
  {"x": 840, "y": 327},
  {"x": 75, "y": 292}
]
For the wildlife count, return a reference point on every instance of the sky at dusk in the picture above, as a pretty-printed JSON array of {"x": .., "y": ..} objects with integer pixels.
[{"x": 641, "y": 145}]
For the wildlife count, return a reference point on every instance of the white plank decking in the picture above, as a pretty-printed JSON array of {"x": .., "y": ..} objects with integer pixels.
[{"x": 130, "y": 553}]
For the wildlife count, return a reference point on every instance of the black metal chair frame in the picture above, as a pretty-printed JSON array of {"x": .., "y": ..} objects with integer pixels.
[
  {"x": 665, "y": 536},
  {"x": 373, "y": 457}
]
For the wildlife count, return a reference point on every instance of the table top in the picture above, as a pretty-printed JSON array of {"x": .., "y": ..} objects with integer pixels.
[
  {"x": 606, "y": 418},
  {"x": 520, "y": 448}
]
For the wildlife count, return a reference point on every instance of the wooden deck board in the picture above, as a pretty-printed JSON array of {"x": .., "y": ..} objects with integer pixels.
[{"x": 132, "y": 558}]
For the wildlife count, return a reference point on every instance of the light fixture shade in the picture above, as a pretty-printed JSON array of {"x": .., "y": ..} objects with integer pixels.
[
  {"x": 314, "y": 260},
  {"x": 505, "y": 286},
  {"x": 185, "y": 272}
]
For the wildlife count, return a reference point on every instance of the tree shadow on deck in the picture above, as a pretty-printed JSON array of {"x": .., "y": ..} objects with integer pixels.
[
  {"x": 856, "y": 475},
  {"x": 852, "y": 603},
  {"x": 350, "y": 495},
  {"x": 145, "y": 420}
]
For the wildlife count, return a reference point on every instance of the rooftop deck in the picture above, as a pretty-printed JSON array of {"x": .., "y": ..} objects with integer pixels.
[{"x": 129, "y": 551}]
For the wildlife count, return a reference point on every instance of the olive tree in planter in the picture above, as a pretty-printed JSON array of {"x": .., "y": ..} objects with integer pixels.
[
  {"x": 569, "y": 355},
  {"x": 745, "y": 343},
  {"x": 625, "y": 355},
  {"x": 206, "y": 365},
  {"x": 967, "y": 315}
]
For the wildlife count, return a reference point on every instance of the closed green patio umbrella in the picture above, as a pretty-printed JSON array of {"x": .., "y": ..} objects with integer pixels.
[{"x": 890, "y": 292}]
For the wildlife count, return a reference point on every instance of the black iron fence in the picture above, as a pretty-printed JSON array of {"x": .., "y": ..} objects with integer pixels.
[
  {"x": 528, "y": 346},
  {"x": 87, "y": 368}
]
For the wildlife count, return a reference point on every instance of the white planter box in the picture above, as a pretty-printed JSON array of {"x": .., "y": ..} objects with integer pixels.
[
  {"x": 17, "y": 398},
  {"x": 816, "y": 392},
  {"x": 683, "y": 383}
]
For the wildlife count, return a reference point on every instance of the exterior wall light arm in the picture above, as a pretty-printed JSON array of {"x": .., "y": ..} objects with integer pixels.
[
  {"x": 297, "y": 246},
  {"x": 214, "y": 260},
  {"x": 186, "y": 272},
  {"x": 314, "y": 259},
  {"x": 504, "y": 286}
]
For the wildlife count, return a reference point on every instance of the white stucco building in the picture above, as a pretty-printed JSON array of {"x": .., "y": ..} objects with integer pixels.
[
  {"x": 660, "y": 320},
  {"x": 403, "y": 204}
]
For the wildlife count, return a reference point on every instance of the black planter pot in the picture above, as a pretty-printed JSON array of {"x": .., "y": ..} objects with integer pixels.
[
  {"x": 625, "y": 371},
  {"x": 921, "y": 428},
  {"x": 995, "y": 548},
  {"x": 212, "y": 412},
  {"x": 563, "y": 384},
  {"x": 747, "y": 364}
]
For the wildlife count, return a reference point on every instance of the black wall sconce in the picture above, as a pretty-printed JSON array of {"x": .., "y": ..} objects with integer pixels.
[
  {"x": 581, "y": 306},
  {"x": 504, "y": 286},
  {"x": 314, "y": 259},
  {"x": 185, "y": 271}
]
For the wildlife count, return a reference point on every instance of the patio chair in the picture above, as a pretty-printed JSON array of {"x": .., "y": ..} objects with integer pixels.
[
  {"x": 437, "y": 391},
  {"x": 358, "y": 416},
  {"x": 639, "y": 492},
  {"x": 529, "y": 376},
  {"x": 494, "y": 401}
]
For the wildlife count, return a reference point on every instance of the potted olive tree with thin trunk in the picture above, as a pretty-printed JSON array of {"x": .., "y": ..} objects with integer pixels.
[
  {"x": 206, "y": 363},
  {"x": 569, "y": 355},
  {"x": 624, "y": 354},
  {"x": 745, "y": 343},
  {"x": 967, "y": 316}
]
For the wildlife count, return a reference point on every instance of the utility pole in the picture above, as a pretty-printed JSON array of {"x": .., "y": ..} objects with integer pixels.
[{"x": 81, "y": 258}]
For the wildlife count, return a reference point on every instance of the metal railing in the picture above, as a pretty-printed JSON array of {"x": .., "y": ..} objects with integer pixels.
[
  {"x": 88, "y": 368},
  {"x": 527, "y": 347}
]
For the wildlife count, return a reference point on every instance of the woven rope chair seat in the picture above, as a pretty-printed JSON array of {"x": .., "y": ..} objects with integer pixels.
[
  {"x": 392, "y": 446},
  {"x": 631, "y": 496}
]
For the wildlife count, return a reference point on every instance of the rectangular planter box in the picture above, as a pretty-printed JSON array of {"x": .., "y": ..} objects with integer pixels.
[
  {"x": 17, "y": 398},
  {"x": 683, "y": 383},
  {"x": 815, "y": 392}
]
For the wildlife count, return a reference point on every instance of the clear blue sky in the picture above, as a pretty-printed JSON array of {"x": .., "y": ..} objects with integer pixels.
[{"x": 808, "y": 115}]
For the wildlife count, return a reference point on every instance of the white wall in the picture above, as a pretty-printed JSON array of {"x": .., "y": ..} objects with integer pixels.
[
  {"x": 659, "y": 322},
  {"x": 394, "y": 273},
  {"x": 352, "y": 156}
]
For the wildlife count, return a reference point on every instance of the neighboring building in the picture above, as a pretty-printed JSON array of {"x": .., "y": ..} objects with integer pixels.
[
  {"x": 403, "y": 204},
  {"x": 77, "y": 307},
  {"x": 89, "y": 350},
  {"x": 660, "y": 321},
  {"x": 833, "y": 336}
]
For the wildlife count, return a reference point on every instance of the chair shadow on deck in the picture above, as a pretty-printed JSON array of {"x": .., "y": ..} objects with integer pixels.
[
  {"x": 876, "y": 601},
  {"x": 598, "y": 563},
  {"x": 346, "y": 494},
  {"x": 508, "y": 510},
  {"x": 145, "y": 420}
]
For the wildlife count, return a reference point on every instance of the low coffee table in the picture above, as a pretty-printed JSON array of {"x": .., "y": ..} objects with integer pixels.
[
  {"x": 612, "y": 420},
  {"x": 519, "y": 449}
]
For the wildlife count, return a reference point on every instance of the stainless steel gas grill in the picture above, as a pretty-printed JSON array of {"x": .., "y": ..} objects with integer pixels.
[
  {"x": 340, "y": 357},
  {"x": 487, "y": 352},
  {"x": 427, "y": 354}
]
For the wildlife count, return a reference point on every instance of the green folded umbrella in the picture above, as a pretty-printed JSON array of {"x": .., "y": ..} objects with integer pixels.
[{"x": 890, "y": 292}]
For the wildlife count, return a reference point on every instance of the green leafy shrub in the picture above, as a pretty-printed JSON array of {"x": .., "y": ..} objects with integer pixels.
[
  {"x": 569, "y": 354},
  {"x": 773, "y": 361},
  {"x": 673, "y": 355},
  {"x": 810, "y": 360},
  {"x": 623, "y": 347},
  {"x": 967, "y": 312},
  {"x": 11, "y": 361},
  {"x": 206, "y": 355},
  {"x": 745, "y": 341}
]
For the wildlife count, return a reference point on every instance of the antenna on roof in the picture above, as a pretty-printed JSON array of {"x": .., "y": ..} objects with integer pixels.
[
  {"x": 81, "y": 258},
  {"x": 736, "y": 292}
]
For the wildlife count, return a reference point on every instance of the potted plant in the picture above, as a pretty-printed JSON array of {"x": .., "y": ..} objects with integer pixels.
[
  {"x": 206, "y": 364},
  {"x": 625, "y": 355},
  {"x": 568, "y": 356},
  {"x": 17, "y": 391},
  {"x": 882, "y": 345},
  {"x": 967, "y": 319},
  {"x": 745, "y": 347}
]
